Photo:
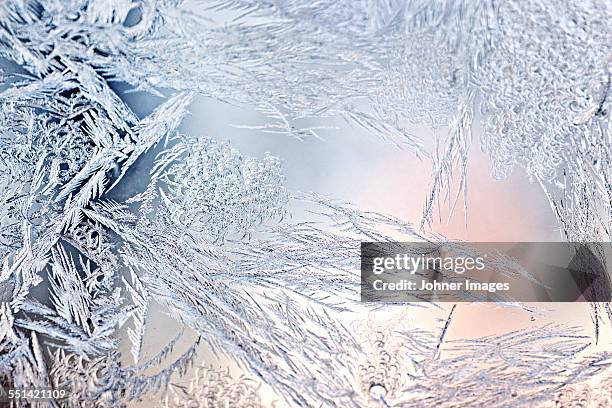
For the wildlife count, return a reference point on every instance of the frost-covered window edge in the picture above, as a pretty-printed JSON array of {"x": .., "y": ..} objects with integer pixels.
[{"x": 538, "y": 72}]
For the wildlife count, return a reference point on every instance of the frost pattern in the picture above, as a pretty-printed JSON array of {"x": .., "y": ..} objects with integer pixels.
[
  {"x": 214, "y": 189},
  {"x": 208, "y": 237},
  {"x": 214, "y": 388}
]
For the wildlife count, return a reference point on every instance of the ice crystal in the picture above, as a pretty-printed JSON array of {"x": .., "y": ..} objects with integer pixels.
[
  {"x": 238, "y": 193},
  {"x": 212, "y": 388},
  {"x": 208, "y": 238}
]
